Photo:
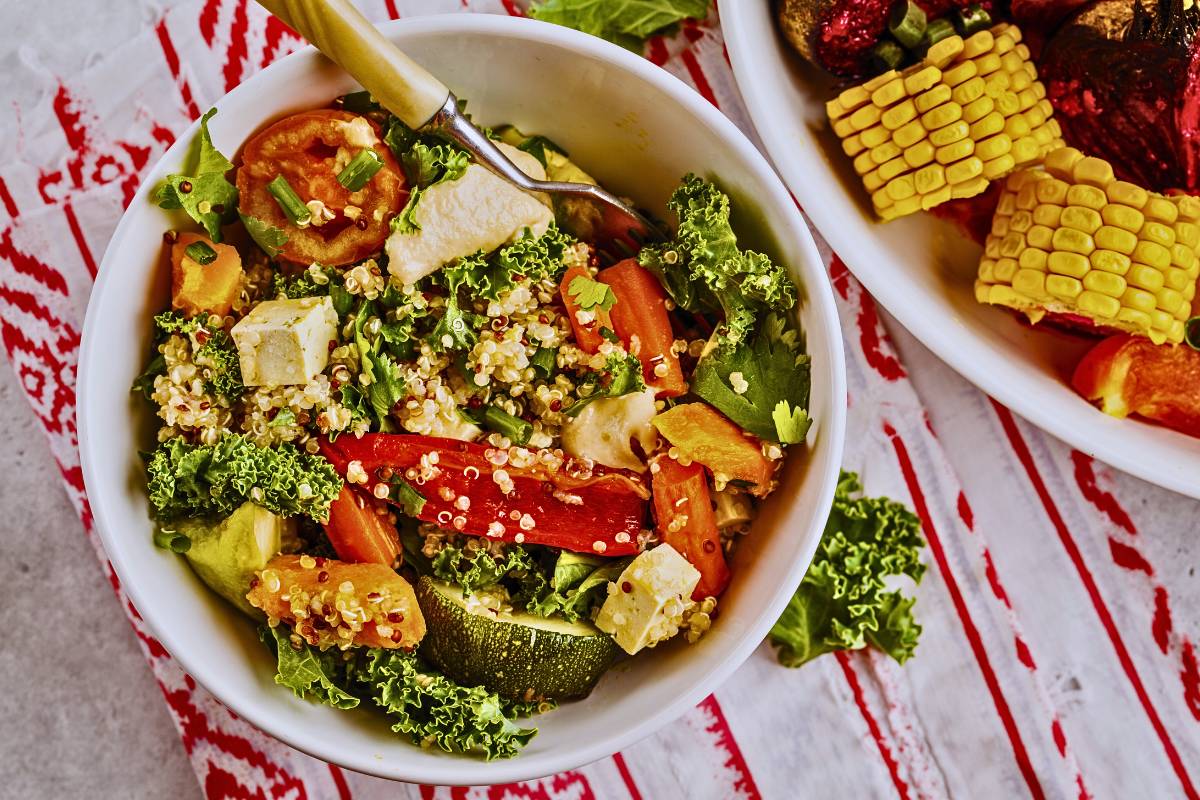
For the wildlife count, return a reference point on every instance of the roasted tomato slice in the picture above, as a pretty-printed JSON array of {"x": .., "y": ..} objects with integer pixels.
[{"x": 310, "y": 149}]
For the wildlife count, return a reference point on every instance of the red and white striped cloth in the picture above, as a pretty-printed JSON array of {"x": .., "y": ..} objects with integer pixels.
[{"x": 1059, "y": 654}]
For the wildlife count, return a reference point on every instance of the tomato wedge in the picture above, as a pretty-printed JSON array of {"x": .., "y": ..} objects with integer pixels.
[
  {"x": 641, "y": 320},
  {"x": 358, "y": 532},
  {"x": 587, "y": 334},
  {"x": 684, "y": 517},
  {"x": 309, "y": 149}
]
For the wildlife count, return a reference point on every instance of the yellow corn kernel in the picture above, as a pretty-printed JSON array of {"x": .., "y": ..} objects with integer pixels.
[
  {"x": 961, "y": 149},
  {"x": 1187, "y": 234},
  {"x": 1017, "y": 127},
  {"x": 1011, "y": 245},
  {"x": 933, "y": 98},
  {"x": 1093, "y": 171},
  {"x": 1061, "y": 163},
  {"x": 1041, "y": 237},
  {"x": 1026, "y": 150},
  {"x": 1155, "y": 255},
  {"x": 931, "y": 178},
  {"x": 919, "y": 154},
  {"x": 1032, "y": 258},
  {"x": 941, "y": 116},
  {"x": 1021, "y": 80},
  {"x": 865, "y": 117},
  {"x": 1035, "y": 117},
  {"x": 1020, "y": 221},
  {"x": 880, "y": 80},
  {"x": 1126, "y": 193},
  {"x": 884, "y": 153},
  {"x": 873, "y": 137},
  {"x": 899, "y": 115},
  {"x": 964, "y": 170},
  {"x": 1177, "y": 279},
  {"x": 1169, "y": 300},
  {"x": 991, "y": 247},
  {"x": 851, "y": 99},
  {"x": 1189, "y": 292},
  {"x": 987, "y": 64},
  {"x": 991, "y": 124},
  {"x": 954, "y": 132},
  {"x": 1189, "y": 208},
  {"x": 1029, "y": 282},
  {"x": 1052, "y": 190},
  {"x": 889, "y": 93},
  {"x": 1048, "y": 215},
  {"x": 1021, "y": 49},
  {"x": 983, "y": 292},
  {"x": 881, "y": 200},
  {"x": 994, "y": 85},
  {"x": 1011, "y": 62},
  {"x": 863, "y": 163},
  {"x": 1081, "y": 219},
  {"x": 910, "y": 134},
  {"x": 959, "y": 73},
  {"x": 944, "y": 51},
  {"x": 1045, "y": 138},
  {"x": 1109, "y": 237},
  {"x": 1161, "y": 209},
  {"x": 987, "y": 268},
  {"x": 1004, "y": 38},
  {"x": 1098, "y": 305},
  {"x": 922, "y": 79},
  {"x": 1123, "y": 217},
  {"x": 1145, "y": 277},
  {"x": 1158, "y": 233},
  {"x": 993, "y": 146},
  {"x": 1039, "y": 91},
  {"x": 834, "y": 109},
  {"x": 897, "y": 166},
  {"x": 1005, "y": 269},
  {"x": 853, "y": 145},
  {"x": 1001, "y": 226},
  {"x": 901, "y": 188},
  {"x": 1073, "y": 264},
  {"x": 1139, "y": 300},
  {"x": 1063, "y": 287},
  {"x": 1110, "y": 261},
  {"x": 1104, "y": 283},
  {"x": 1008, "y": 103},
  {"x": 978, "y": 108},
  {"x": 1136, "y": 319},
  {"x": 1089, "y": 196},
  {"x": 1160, "y": 320},
  {"x": 1183, "y": 257},
  {"x": 978, "y": 44},
  {"x": 1072, "y": 241},
  {"x": 937, "y": 197},
  {"x": 969, "y": 188},
  {"x": 968, "y": 91},
  {"x": 902, "y": 208},
  {"x": 1176, "y": 332},
  {"x": 1001, "y": 165},
  {"x": 872, "y": 181},
  {"x": 844, "y": 127}
]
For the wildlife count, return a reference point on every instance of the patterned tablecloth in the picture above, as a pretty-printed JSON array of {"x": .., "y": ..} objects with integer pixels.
[{"x": 1060, "y": 606}]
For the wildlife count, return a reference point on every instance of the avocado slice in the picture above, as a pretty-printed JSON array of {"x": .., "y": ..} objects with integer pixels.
[
  {"x": 227, "y": 553},
  {"x": 517, "y": 655}
]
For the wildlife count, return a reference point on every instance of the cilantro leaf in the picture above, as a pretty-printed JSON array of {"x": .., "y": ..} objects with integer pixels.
[
  {"x": 308, "y": 672},
  {"x": 842, "y": 604},
  {"x": 202, "y": 191},
  {"x": 625, "y": 22},
  {"x": 773, "y": 371},
  {"x": 265, "y": 235},
  {"x": 590, "y": 293}
]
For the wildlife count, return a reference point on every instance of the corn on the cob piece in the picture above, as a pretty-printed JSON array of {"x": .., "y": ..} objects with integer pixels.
[
  {"x": 1072, "y": 239},
  {"x": 970, "y": 112}
]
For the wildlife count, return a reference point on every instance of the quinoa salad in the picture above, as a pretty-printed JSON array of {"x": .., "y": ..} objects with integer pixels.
[{"x": 452, "y": 465}]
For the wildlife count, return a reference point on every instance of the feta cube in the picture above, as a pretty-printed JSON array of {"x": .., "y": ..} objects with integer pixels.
[
  {"x": 285, "y": 342},
  {"x": 479, "y": 211},
  {"x": 645, "y": 605}
]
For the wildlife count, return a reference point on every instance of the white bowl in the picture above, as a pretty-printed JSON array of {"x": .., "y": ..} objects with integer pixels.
[
  {"x": 637, "y": 129},
  {"x": 922, "y": 269}
]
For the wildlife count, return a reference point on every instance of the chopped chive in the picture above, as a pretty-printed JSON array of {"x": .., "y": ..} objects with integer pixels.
[
  {"x": 938, "y": 29},
  {"x": 174, "y": 541},
  {"x": 289, "y": 202},
  {"x": 973, "y": 19},
  {"x": 906, "y": 21},
  {"x": 516, "y": 430},
  {"x": 359, "y": 102},
  {"x": 406, "y": 496},
  {"x": 887, "y": 55},
  {"x": 1191, "y": 333},
  {"x": 360, "y": 170},
  {"x": 544, "y": 360},
  {"x": 201, "y": 253}
]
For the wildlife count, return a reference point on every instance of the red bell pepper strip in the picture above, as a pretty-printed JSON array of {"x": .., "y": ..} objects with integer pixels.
[
  {"x": 587, "y": 335},
  {"x": 685, "y": 520},
  {"x": 358, "y": 532},
  {"x": 641, "y": 320},
  {"x": 512, "y": 495}
]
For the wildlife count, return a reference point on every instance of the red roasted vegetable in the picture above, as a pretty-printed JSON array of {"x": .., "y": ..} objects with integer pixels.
[
  {"x": 517, "y": 495},
  {"x": 1131, "y": 375},
  {"x": 684, "y": 519},
  {"x": 640, "y": 318},
  {"x": 358, "y": 532}
]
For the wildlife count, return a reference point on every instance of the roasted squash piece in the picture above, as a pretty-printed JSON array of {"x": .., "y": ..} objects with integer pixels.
[
  {"x": 197, "y": 287},
  {"x": 698, "y": 432}
]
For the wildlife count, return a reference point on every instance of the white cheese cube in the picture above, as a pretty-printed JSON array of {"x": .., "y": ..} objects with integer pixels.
[
  {"x": 660, "y": 584},
  {"x": 602, "y": 431},
  {"x": 479, "y": 211},
  {"x": 285, "y": 342}
]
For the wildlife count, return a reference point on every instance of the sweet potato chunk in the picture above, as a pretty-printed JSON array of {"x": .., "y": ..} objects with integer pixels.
[
  {"x": 210, "y": 287},
  {"x": 698, "y": 432},
  {"x": 334, "y": 603}
]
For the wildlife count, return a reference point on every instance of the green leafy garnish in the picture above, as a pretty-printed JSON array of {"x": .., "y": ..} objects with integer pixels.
[
  {"x": 144, "y": 383},
  {"x": 590, "y": 293},
  {"x": 774, "y": 370},
  {"x": 215, "y": 353},
  {"x": 621, "y": 375},
  {"x": 265, "y": 235},
  {"x": 187, "y": 480},
  {"x": 202, "y": 190},
  {"x": 842, "y": 603},
  {"x": 387, "y": 385},
  {"x": 200, "y": 252},
  {"x": 409, "y": 498},
  {"x": 476, "y": 569},
  {"x": 307, "y": 671},
  {"x": 426, "y": 165},
  {"x": 704, "y": 269},
  {"x": 625, "y": 22}
]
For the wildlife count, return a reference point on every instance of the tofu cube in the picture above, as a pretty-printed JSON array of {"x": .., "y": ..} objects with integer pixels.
[
  {"x": 479, "y": 211},
  {"x": 660, "y": 583},
  {"x": 285, "y": 342}
]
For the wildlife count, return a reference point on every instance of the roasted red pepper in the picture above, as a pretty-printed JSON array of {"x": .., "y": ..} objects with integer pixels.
[
  {"x": 516, "y": 495},
  {"x": 358, "y": 532},
  {"x": 685, "y": 520}
]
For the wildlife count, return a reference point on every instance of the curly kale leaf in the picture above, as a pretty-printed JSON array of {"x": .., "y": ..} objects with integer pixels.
[
  {"x": 203, "y": 192},
  {"x": 424, "y": 165},
  {"x": 625, "y": 22},
  {"x": 704, "y": 269},
  {"x": 307, "y": 671},
  {"x": 187, "y": 480},
  {"x": 842, "y": 603},
  {"x": 621, "y": 375},
  {"x": 212, "y": 350}
]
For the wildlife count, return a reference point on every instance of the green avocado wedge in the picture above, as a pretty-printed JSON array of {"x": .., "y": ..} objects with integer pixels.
[{"x": 518, "y": 655}]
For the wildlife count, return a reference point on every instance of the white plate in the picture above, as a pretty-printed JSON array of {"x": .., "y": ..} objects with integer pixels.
[
  {"x": 922, "y": 270},
  {"x": 639, "y": 130}
]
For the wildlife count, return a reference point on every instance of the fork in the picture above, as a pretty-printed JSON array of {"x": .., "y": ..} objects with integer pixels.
[{"x": 402, "y": 86}]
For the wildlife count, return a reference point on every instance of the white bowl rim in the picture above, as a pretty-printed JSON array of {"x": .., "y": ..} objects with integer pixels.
[
  {"x": 968, "y": 355},
  {"x": 460, "y": 771}
]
